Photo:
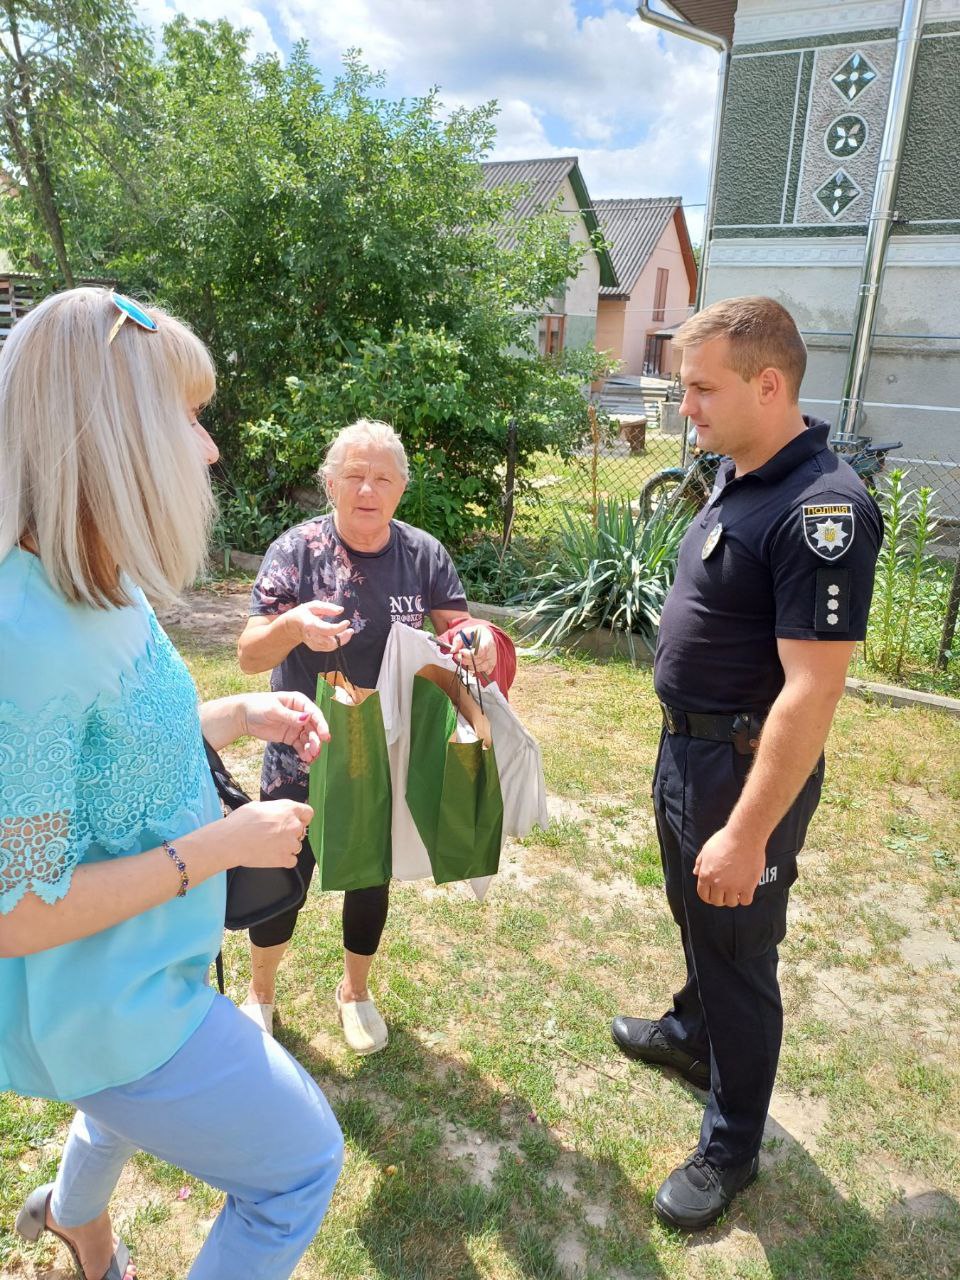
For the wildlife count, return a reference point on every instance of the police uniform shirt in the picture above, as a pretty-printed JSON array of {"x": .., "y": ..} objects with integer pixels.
[{"x": 784, "y": 552}]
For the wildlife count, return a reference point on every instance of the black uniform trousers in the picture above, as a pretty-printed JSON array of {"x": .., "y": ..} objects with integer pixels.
[{"x": 729, "y": 1011}]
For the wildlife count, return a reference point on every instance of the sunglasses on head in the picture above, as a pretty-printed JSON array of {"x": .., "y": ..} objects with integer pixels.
[{"x": 129, "y": 310}]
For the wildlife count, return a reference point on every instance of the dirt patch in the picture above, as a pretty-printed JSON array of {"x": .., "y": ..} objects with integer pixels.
[
  {"x": 479, "y": 1155},
  {"x": 213, "y": 617},
  {"x": 917, "y": 800},
  {"x": 793, "y": 1121}
]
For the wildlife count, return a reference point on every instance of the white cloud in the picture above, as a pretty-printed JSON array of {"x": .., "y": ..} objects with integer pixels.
[
  {"x": 156, "y": 13},
  {"x": 636, "y": 107}
]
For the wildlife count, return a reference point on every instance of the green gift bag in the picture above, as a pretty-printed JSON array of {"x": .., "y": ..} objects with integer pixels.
[
  {"x": 350, "y": 792},
  {"x": 453, "y": 788}
]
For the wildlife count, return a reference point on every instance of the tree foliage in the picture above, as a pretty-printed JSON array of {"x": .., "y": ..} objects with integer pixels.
[
  {"x": 73, "y": 79},
  {"x": 336, "y": 250}
]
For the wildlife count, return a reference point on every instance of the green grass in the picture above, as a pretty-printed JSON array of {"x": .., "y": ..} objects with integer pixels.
[{"x": 500, "y": 1136}]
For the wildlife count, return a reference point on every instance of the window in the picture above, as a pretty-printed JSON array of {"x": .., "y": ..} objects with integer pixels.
[
  {"x": 660, "y": 293},
  {"x": 550, "y": 335}
]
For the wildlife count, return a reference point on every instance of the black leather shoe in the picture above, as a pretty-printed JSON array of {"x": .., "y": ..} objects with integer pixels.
[
  {"x": 642, "y": 1039},
  {"x": 696, "y": 1193}
]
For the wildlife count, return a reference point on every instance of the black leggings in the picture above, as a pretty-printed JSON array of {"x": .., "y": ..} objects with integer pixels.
[{"x": 364, "y": 913}]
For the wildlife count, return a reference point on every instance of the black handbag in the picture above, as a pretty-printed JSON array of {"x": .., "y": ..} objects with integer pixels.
[{"x": 254, "y": 894}]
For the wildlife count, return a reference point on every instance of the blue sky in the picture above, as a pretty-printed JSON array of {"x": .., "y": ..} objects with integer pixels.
[{"x": 571, "y": 77}]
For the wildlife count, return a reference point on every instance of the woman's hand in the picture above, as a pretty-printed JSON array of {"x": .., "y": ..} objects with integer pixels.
[
  {"x": 290, "y": 718},
  {"x": 266, "y": 833},
  {"x": 478, "y": 651},
  {"x": 309, "y": 623}
]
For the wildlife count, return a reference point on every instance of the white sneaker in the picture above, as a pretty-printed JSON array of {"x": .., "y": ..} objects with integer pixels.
[
  {"x": 363, "y": 1028},
  {"x": 261, "y": 1014}
]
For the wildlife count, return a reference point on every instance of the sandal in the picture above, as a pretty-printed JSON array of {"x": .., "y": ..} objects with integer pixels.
[
  {"x": 32, "y": 1222},
  {"x": 363, "y": 1028},
  {"x": 259, "y": 1014}
]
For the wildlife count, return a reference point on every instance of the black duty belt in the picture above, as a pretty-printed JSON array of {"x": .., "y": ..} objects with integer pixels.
[{"x": 742, "y": 729}]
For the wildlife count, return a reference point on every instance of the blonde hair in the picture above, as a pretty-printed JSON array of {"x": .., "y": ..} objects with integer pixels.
[
  {"x": 379, "y": 435},
  {"x": 762, "y": 335},
  {"x": 99, "y": 465}
]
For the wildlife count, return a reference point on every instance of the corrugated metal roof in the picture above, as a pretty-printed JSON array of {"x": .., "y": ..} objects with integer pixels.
[
  {"x": 712, "y": 15},
  {"x": 633, "y": 229},
  {"x": 541, "y": 181}
]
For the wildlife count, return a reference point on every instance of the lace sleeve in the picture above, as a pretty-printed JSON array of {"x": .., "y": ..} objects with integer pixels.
[{"x": 41, "y": 831}]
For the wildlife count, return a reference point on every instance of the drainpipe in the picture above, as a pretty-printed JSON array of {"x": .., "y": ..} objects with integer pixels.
[
  {"x": 882, "y": 217},
  {"x": 722, "y": 46}
]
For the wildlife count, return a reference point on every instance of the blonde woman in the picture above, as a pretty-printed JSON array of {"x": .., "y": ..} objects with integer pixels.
[
  {"x": 112, "y": 844},
  {"x": 347, "y": 577}
]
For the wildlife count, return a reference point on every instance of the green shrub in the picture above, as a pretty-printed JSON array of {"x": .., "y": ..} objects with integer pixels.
[
  {"x": 249, "y": 520},
  {"x": 493, "y": 574},
  {"x": 613, "y": 574}
]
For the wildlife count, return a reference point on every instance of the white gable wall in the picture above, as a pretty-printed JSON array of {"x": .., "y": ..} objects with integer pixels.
[{"x": 580, "y": 302}]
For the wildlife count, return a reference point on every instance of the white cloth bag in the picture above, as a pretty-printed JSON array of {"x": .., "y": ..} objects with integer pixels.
[{"x": 519, "y": 764}]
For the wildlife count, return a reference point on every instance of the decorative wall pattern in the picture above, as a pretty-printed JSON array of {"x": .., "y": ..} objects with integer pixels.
[
  {"x": 844, "y": 76},
  {"x": 811, "y": 170}
]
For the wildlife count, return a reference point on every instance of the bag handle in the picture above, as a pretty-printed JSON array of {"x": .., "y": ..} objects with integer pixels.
[
  {"x": 461, "y": 696},
  {"x": 340, "y": 674},
  {"x": 463, "y": 682}
]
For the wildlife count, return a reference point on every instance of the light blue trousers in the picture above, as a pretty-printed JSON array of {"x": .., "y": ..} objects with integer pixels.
[{"x": 234, "y": 1109}]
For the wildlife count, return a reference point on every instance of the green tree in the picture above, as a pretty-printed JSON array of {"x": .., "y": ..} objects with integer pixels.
[
  {"x": 337, "y": 251},
  {"x": 72, "y": 75}
]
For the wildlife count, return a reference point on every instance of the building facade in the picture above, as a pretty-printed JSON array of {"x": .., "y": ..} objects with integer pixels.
[{"x": 805, "y": 109}]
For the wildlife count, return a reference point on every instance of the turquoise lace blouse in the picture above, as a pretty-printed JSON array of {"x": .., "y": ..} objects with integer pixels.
[{"x": 101, "y": 757}]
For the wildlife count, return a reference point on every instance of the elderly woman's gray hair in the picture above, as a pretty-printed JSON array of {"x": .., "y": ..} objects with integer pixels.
[{"x": 366, "y": 431}]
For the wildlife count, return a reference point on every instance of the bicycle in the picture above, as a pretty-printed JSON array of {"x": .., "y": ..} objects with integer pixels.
[{"x": 677, "y": 488}]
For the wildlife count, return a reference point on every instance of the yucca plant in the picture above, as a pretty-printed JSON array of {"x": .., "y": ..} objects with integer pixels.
[{"x": 615, "y": 575}]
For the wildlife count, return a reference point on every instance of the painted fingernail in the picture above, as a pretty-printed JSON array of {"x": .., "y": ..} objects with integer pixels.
[{"x": 304, "y": 716}]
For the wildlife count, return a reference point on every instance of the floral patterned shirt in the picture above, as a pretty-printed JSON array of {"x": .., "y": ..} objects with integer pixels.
[{"x": 412, "y": 575}]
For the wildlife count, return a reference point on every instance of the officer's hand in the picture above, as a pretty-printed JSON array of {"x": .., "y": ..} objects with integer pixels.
[{"x": 727, "y": 871}]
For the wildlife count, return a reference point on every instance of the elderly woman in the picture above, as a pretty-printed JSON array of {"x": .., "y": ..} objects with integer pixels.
[
  {"x": 113, "y": 846},
  {"x": 347, "y": 577}
]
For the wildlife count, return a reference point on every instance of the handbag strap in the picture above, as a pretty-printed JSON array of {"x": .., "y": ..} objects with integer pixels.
[{"x": 228, "y": 789}]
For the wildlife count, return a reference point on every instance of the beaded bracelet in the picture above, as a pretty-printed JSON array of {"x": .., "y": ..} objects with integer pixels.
[{"x": 178, "y": 862}]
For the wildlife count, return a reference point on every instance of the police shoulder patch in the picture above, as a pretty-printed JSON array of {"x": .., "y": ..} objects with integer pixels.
[{"x": 828, "y": 528}]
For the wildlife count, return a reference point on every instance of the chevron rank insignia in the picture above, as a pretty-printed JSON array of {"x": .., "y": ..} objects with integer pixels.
[{"x": 828, "y": 528}]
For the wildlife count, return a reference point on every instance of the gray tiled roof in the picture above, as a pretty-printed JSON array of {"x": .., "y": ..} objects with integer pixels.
[
  {"x": 633, "y": 229},
  {"x": 542, "y": 180}
]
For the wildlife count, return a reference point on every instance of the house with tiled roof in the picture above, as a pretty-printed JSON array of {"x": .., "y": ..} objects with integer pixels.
[
  {"x": 657, "y": 273},
  {"x": 556, "y": 183}
]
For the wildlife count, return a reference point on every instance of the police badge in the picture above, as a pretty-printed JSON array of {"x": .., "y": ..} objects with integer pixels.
[{"x": 828, "y": 528}]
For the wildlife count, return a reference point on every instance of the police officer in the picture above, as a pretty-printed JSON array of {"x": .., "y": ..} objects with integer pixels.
[{"x": 773, "y": 588}]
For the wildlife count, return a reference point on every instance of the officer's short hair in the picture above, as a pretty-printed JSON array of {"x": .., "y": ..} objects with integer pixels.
[{"x": 762, "y": 334}]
